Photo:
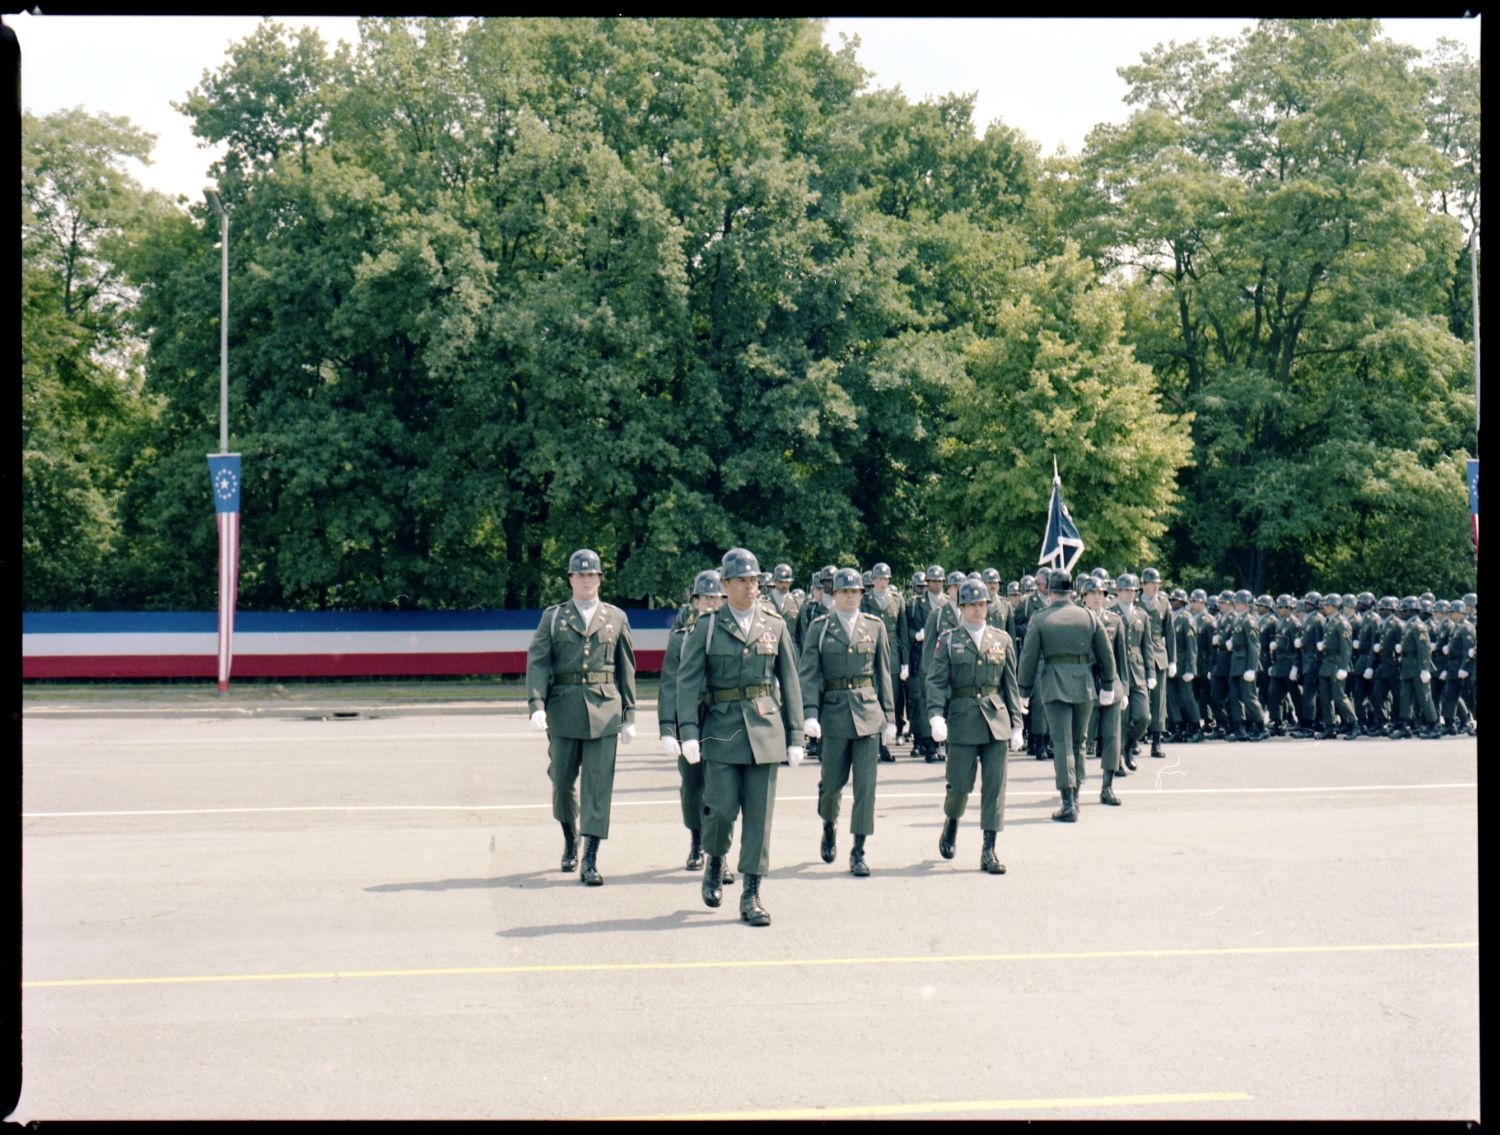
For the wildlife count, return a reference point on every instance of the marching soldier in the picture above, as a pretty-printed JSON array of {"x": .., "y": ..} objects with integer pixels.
[
  {"x": 1337, "y": 649},
  {"x": 1458, "y": 658},
  {"x": 845, "y": 674},
  {"x": 708, "y": 597},
  {"x": 1207, "y": 623},
  {"x": 1063, "y": 645},
  {"x": 975, "y": 707},
  {"x": 884, "y": 602},
  {"x": 923, "y": 603},
  {"x": 1000, "y": 613},
  {"x": 580, "y": 687},
  {"x": 1309, "y": 641},
  {"x": 1140, "y": 658},
  {"x": 1385, "y": 693},
  {"x": 1416, "y": 676},
  {"x": 732, "y": 663},
  {"x": 1185, "y": 633},
  {"x": 787, "y": 604},
  {"x": 1366, "y": 633},
  {"x": 819, "y": 603},
  {"x": 1106, "y": 720},
  {"x": 1281, "y": 691},
  {"x": 1038, "y": 598},
  {"x": 1244, "y": 664},
  {"x": 1163, "y": 652}
]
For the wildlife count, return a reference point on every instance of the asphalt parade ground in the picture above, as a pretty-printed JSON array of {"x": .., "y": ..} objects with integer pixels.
[{"x": 357, "y": 913}]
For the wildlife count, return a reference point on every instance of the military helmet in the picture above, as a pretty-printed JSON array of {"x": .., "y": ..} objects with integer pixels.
[
  {"x": 1087, "y": 585},
  {"x": 1408, "y": 603},
  {"x": 1198, "y": 595},
  {"x": 1440, "y": 607},
  {"x": 584, "y": 561},
  {"x": 1427, "y": 597},
  {"x": 766, "y": 579},
  {"x": 1101, "y": 573},
  {"x": 1060, "y": 581},
  {"x": 973, "y": 591},
  {"x": 935, "y": 573},
  {"x": 866, "y": 578},
  {"x": 829, "y": 571},
  {"x": 977, "y": 577},
  {"x": 1471, "y": 600},
  {"x": 1387, "y": 603},
  {"x": 1012, "y": 588},
  {"x": 1330, "y": 600},
  {"x": 738, "y": 563},
  {"x": 782, "y": 573},
  {"x": 1178, "y": 595},
  {"x": 1243, "y": 596},
  {"x": 1365, "y": 599},
  {"x": 1150, "y": 575},
  {"x": 1028, "y": 583},
  {"x": 1211, "y": 602},
  {"x": 1285, "y": 600},
  {"x": 1311, "y": 600},
  {"x": 917, "y": 579},
  {"x": 1426, "y": 605},
  {"x": 956, "y": 578},
  {"x": 1455, "y": 606},
  {"x": 1226, "y": 596},
  {"x": 880, "y": 571},
  {"x": 1263, "y": 601},
  {"x": 708, "y": 583},
  {"x": 990, "y": 575},
  {"x": 1127, "y": 582},
  {"x": 848, "y": 579}
]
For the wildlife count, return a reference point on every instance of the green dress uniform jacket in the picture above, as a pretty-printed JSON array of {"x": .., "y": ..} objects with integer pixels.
[
  {"x": 1284, "y": 655},
  {"x": 1002, "y": 615},
  {"x": 1338, "y": 645},
  {"x": 1071, "y": 642},
  {"x": 940, "y": 619},
  {"x": 690, "y": 776},
  {"x": 846, "y": 679},
  {"x": 583, "y": 676},
  {"x": 974, "y": 687},
  {"x": 730, "y": 676},
  {"x": 892, "y": 612},
  {"x": 1244, "y": 646}
]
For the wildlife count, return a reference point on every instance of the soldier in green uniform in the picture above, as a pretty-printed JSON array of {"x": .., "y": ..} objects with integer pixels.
[
  {"x": 1337, "y": 649},
  {"x": 819, "y": 603},
  {"x": 1416, "y": 675},
  {"x": 1308, "y": 639},
  {"x": 1182, "y": 688},
  {"x": 1037, "y": 598},
  {"x": 1106, "y": 720},
  {"x": 922, "y": 604},
  {"x": 1366, "y": 633},
  {"x": 884, "y": 602},
  {"x": 1140, "y": 655},
  {"x": 845, "y": 673},
  {"x": 1245, "y": 711},
  {"x": 1458, "y": 656},
  {"x": 1385, "y": 693},
  {"x": 708, "y": 597},
  {"x": 1163, "y": 653},
  {"x": 1064, "y": 646},
  {"x": 1280, "y": 691},
  {"x": 580, "y": 687},
  {"x": 1000, "y": 613},
  {"x": 787, "y": 604},
  {"x": 732, "y": 665},
  {"x": 974, "y": 705}
]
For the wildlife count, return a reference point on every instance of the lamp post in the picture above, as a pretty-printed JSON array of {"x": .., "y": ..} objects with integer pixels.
[
  {"x": 224, "y": 468},
  {"x": 218, "y": 205}
]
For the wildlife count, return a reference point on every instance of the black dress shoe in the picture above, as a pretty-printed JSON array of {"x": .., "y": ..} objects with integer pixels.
[
  {"x": 829, "y": 846},
  {"x": 947, "y": 842},
  {"x": 1121, "y": 771},
  {"x": 726, "y": 876},
  {"x": 885, "y": 754}
]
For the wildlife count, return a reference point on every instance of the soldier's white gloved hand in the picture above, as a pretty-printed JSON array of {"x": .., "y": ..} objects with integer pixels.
[
  {"x": 1369, "y": 672},
  {"x": 1320, "y": 646},
  {"x": 671, "y": 746},
  {"x": 1249, "y": 675},
  {"x": 920, "y": 635},
  {"x": 1471, "y": 652},
  {"x": 1293, "y": 675},
  {"x": 1377, "y": 647},
  {"x": 1448, "y": 649},
  {"x": 794, "y": 755},
  {"x": 1341, "y": 674},
  {"x": 1016, "y": 738},
  {"x": 1463, "y": 675},
  {"x": 1151, "y": 682},
  {"x": 1216, "y": 640},
  {"x": 1297, "y": 642},
  {"x": 1171, "y": 669},
  {"x": 627, "y": 733},
  {"x": 888, "y": 732},
  {"x": 905, "y": 672},
  {"x": 539, "y": 721},
  {"x": 1275, "y": 646},
  {"x": 1025, "y": 704},
  {"x": 1187, "y": 676},
  {"x": 939, "y": 728},
  {"x": 811, "y": 728},
  {"x": 1425, "y": 676},
  {"x": 1443, "y": 676},
  {"x": 1107, "y": 697},
  {"x": 1400, "y": 646},
  {"x": 690, "y": 752}
]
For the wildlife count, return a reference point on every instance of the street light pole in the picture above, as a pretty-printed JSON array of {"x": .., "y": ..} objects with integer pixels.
[
  {"x": 224, "y": 469},
  {"x": 213, "y": 199}
]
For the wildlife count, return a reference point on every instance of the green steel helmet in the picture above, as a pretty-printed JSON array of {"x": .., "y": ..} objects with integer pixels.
[
  {"x": 1365, "y": 599},
  {"x": 766, "y": 579},
  {"x": 1285, "y": 600},
  {"x": 1387, "y": 603},
  {"x": 1178, "y": 595},
  {"x": 1211, "y": 602},
  {"x": 868, "y": 579},
  {"x": 1243, "y": 596},
  {"x": 1455, "y": 606},
  {"x": 708, "y": 583},
  {"x": 880, "y": 571},
  {"x": 1426, "y": 606},
  {"x": 782, "y": 573},
  {"x": 1226, "y": 596},
  {"x": 1059, "y": 582},
  {"x": 1311, "y": 600},
  {"x": 917, "y": 579},
  {"x": 1127, "y": 582},
  {"x": 956, "y": 578},
  {"x": 1440, "y": 607},
  {"x": 1150, "y": 575},
  {"x": 848, "y": 579},
  {"x": 1349, "y": 603},
  {"x": 1198, "y": 595},
  {"x": 935, "y": 573},
  {"x": 738, "y": 563},
  {"x": 1012, "y": 588},
  {"x": 1028, "y": 583},
  {"x": 990, "y": 575},
  {"x": 973, "y": 591},
  {"x": 1087, "y": 584},
  {"x": 1331, "y": 599},
  {"x": 1101, "y": 574},
  {"x": 1408, "y": 603},
  {"x": 1427, "y": 597},
  {"x": 1471, "y": 600},
  {"x": 828, "y": 572},
  {"x": 1263, "y": 601},
  {"x": 584, "y": 561}
]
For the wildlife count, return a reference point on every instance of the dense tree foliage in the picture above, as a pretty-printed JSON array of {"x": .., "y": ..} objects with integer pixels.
[{"x": 501, "y": 288}]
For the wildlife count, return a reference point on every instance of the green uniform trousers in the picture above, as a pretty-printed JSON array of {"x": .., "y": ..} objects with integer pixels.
[
  {"x": 1244, "y": 703},
  {"x": 1333, "y": 699},
  {"x": 566, "y": 758},
  {"x": 1106, "y": 725},
  {"x": 690, "y": 792},
  {"x": 1068, "y": 726},
  {"x": 989, "y": 760},
  {"x": 1136, "y": 713},
  {"x": 840, "y": 757},
  {"x": 1416, "y": 701},
  {"x": 727, "y": 791}
]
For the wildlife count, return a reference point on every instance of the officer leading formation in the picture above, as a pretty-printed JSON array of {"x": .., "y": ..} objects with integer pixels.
[{"x": 966, "y": 669}]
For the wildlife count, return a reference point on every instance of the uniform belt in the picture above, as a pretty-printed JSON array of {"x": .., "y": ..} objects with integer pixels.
[
  {"x": 735, "y": 693},
  {"x": 588, "y": 678},
  {"x": 974, "y": 691},
  {"x": 1064, "y": 658},
  {"x": 858, "y": 682}
]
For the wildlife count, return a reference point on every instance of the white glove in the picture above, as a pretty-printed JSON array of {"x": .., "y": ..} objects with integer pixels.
[
  {"x": 1448, "y": 649},
  {"x": 1369, "y": 673},
  {"x": 1151, "y": 682},
  {"x": 1471, "y": 652},
  {"x": 690, "y": 752},
  {"x": 1377, "y": 647},
  {"x": 671, "y": 746},
  {"x": 1016, "y": 738},
  {"x": 888, "y": 732},
  {"x": 1187, "y": 676},
  {"x": 794, "y": 754},
  {"x": 1297, "y": 642},
  {"x": 1443, "y": 676},
  {"x": 1249, "y": 675},
  {"x": 1341, "y": 674},
  {"x": 1275, "y": 646},
  {"x": 939, "y": 728},
  {"x": 812, "y": 729},
  {"x": 920, "y": 635},
  {"x": 1399, "y": 647},
  {"x": 539, "y": 721},
  {"x": 1025, "y": 704},
  {"x": 1425, "y": 676},
  {"x": 1216, "y": 640},
  {"x": 1293, "y": 675},
  {"x": 905, "y": 672},
  {"x": 1107, "y": 697},
  {"x": 1320, "y": 646},
  {"x": 1463, "y": 675},
  {"x": 1171, "y": 669},
  {"x": 627, "y": 733}
]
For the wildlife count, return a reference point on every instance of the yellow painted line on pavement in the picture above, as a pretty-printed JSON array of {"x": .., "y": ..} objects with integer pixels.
[
  {"x": 757, "y": 963},
  {"x": 950, "y": 1107}
]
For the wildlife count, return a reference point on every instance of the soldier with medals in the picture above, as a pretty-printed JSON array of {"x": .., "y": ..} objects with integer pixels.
[{"x": 885, "y": 603}]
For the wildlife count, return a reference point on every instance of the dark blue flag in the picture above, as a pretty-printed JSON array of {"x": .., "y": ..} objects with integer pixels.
[{"x": 1062, "y": 545}]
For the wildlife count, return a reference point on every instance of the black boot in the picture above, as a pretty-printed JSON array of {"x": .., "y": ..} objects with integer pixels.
[
  {"x": 885, "y": 754},
  {"x": 1156, "y": 745},
  {"x": 726, "y": 875},
  {"x": 695, "y": 851},
  {"x": 829, "y": 847},
  {"x": 1107, "y": 794},
  {"x": 750, "y": 909},
  {"x": 947, "y": 842},
  {"x": 1355, "y": 733},
  {"x": 1068, "y": 813},
  {"x": 713, "y": 881},
  {"x": 570, "y": 849},
  {"x": 590, "y": 873},
  {"x": 857, "y": 865},
  {"x": 987, "y": 861},
  {"x": 1130, "y": 756}
]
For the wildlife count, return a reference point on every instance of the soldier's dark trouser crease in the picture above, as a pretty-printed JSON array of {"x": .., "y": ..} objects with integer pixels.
[
  {"x": 690, "y": 793},
  {"x": 1386, "y": 700},
  {"x": 1106, "y": 722},
  {"x": 1335, "y": 703},
  {"x": 989, "y": 761},
  {"x": 841, "y": 757},
  {"x": 567, "y": 758},
  {"x": 1311, "y": 710},
  {"x": 1416, "y": 702},
  {"x": 1188, "y": 700},
  {"x": 729, "y": 790},
  {"x": 1068, "y": 724},
  {"x": 1244, "y": 706},
  {"x": 1279, "y": 690},
  {"x": 1219, "y": 698},
  {"x": 1139, "y": 714}
]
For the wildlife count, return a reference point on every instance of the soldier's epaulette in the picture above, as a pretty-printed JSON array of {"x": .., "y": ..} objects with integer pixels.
[
  {"x": 816, "y": 619},
  {"x": 774, "y": 613}
]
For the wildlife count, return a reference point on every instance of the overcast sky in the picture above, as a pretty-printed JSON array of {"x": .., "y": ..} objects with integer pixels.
[{"x": 1052, "y": 79}]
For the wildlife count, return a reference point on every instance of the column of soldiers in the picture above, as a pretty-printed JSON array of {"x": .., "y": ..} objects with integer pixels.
[{"x": 755, "y": 670}]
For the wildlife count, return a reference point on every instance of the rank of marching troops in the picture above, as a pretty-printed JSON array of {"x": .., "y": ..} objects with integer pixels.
[{"x": 758, "y": 675}]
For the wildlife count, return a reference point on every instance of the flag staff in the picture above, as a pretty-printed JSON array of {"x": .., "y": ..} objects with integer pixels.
[{"x": 224, "y": 467}]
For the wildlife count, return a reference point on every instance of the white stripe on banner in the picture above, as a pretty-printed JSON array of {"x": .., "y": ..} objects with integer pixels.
[{"x": 299, "y": 642}]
